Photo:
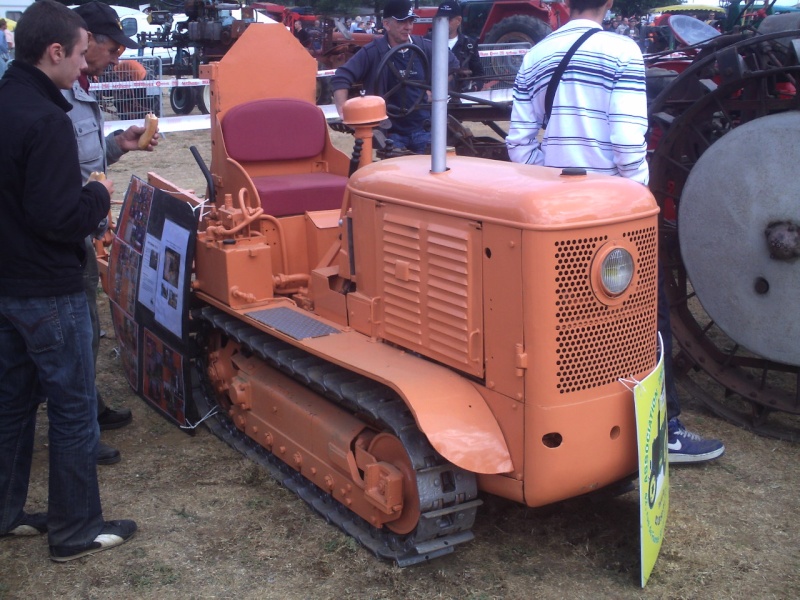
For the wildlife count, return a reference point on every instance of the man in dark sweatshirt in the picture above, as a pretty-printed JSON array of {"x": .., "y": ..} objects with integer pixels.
[{"x": 45, "y": 332}]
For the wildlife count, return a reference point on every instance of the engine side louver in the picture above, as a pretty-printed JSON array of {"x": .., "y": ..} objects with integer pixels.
[{"x": 431, "y": 287}]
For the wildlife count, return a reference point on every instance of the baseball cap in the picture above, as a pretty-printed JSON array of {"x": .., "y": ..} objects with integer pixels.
[
  {"x": 449, "y": 9},
  {"x": 101, "y": 19},
  {"x": 399, "y": 10}
]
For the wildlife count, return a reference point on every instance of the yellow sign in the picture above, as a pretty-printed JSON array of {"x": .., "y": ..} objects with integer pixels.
[{"x": 651, "y": 424}]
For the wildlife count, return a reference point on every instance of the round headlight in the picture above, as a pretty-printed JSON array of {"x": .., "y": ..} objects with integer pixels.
[{"x": 616, "y": 271}]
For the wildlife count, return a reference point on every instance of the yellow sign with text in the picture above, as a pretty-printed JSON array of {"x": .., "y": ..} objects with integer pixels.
[{"x": 651, "y": 424}]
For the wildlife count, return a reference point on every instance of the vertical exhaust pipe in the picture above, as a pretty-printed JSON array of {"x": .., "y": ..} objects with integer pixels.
[{"x": 439, "y": 90}]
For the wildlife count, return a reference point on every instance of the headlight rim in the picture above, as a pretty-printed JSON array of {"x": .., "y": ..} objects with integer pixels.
[{"x": 601, "y": 292}]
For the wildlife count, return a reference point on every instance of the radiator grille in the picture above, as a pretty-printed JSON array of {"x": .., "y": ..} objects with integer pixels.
[{"x": 597, "y": 344}]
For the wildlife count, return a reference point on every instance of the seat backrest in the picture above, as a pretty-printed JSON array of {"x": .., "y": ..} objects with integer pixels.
[{"x": 274, "y": 129}]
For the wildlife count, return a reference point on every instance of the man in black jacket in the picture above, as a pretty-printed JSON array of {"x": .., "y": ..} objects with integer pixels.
[
  {"x": 45, "y": 333},
  {"x": 411, "y": 130}
]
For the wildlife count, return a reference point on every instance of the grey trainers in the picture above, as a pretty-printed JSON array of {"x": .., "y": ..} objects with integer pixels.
[
  {"x": 113, "y": 534},
  {"x": 30, "y": 524}
]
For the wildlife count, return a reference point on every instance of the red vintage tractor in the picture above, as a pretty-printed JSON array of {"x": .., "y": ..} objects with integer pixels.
[
  {"x": 503, "y": 21},
  {"x": 723, "y": 133}
]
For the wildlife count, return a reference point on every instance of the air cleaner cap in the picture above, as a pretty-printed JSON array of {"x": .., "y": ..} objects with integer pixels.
[{"x": 364, "y": 110}]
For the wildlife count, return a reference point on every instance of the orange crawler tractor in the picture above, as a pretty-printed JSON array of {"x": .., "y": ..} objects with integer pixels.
[{"x": 391, "y": 342}]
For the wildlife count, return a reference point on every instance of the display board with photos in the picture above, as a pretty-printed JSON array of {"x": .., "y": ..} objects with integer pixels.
[{"x": 149, "y": 275}]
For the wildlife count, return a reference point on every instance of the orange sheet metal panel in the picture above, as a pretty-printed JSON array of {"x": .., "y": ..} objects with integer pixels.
[
  {"x": 448, "y": 409},
  {"x": 429, "y": 282},
  {"x": 266, "y": 62},
  {"x": 579, "y": 419},
  {"x": 503, "y": 310},
  {"x": 504, "y": 193}
]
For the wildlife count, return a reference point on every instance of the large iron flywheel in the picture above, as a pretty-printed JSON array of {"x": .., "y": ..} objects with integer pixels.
[{"x": 725, "y": 135}]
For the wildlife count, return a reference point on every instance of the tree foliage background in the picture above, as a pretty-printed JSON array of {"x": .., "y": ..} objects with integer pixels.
[{"x": 629, "y": 8}]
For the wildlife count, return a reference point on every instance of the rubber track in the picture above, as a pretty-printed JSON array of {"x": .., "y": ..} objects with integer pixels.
[{"x": 447, "y": 493}]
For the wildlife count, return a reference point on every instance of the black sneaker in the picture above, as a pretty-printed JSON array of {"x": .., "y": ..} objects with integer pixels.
[
  {"x": 114, "y": 419},
  {"x": 106, "y": 455},
  {"x": 30, "y": 524},
  {"x": 113, "y": 534}
]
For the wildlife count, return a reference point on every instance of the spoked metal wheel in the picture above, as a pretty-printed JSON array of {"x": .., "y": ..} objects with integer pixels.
[
  {"x": 400, "y": 99},
  {"x": 725, "y": 135}
]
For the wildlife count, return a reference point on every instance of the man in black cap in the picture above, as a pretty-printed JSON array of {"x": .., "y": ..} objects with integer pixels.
[
  {"x": 96, "y": 152},
  {"x": 411, "y": 131},
  {"x": 464, "y": 47}
]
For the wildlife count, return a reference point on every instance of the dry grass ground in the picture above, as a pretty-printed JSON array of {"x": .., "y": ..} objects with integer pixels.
[{"x": 213, "y": 525}]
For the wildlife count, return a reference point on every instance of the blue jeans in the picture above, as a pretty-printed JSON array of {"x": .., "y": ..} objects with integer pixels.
[
  {"x": 46, "y": 351},
  {"x": 91, "y": 279},
  {"x": 665, "y": 327},
  {"x": 417, "y": 141}
]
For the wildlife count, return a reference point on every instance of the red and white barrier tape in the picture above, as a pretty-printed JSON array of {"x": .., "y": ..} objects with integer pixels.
[
  {"x": 151, "y": 83},
  {"x": 170, "y": 83},
  {"x": 507, "y": 52}
]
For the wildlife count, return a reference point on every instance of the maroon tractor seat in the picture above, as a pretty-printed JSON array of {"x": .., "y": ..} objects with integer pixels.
[{"x": 289, "y": 131}]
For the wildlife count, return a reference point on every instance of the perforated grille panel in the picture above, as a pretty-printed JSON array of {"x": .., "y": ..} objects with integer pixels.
[{"x": 596, "y": 343}]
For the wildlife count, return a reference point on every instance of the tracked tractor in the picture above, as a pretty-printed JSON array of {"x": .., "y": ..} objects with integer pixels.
[{"x": 391, "y": 338}]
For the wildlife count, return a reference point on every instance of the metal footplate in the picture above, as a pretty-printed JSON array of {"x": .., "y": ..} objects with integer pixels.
[{"x": 447, "y": 494}]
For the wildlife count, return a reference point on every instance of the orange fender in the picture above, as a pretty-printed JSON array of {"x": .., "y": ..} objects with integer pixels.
[{"x": 447, "y": 407}]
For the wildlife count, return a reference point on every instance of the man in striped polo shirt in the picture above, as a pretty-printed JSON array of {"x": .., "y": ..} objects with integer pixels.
[
  {"x": 599, "y": 115},
  {"x": 598, "y": 122}
]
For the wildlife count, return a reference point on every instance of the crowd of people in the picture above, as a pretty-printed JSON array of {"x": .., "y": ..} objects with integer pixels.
[
  {"x": 361, "y": 24},
  {"x": 6, "y": 46},
  {"x": 636, "y": 28}
]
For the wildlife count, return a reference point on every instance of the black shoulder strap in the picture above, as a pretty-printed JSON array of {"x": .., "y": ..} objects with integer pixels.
[{"x": 559, "y": 72}]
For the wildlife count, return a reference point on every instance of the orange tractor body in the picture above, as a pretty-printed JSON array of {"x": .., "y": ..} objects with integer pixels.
[{"x": 401, "y": 338}]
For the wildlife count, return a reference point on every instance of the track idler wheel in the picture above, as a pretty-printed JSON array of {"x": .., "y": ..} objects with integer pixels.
[{"x": 387, "y": 448}]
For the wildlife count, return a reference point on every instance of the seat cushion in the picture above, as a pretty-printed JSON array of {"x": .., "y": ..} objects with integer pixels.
[
  {"x": 283, "y": 195},
  {"x": 274, "y": 129}
]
